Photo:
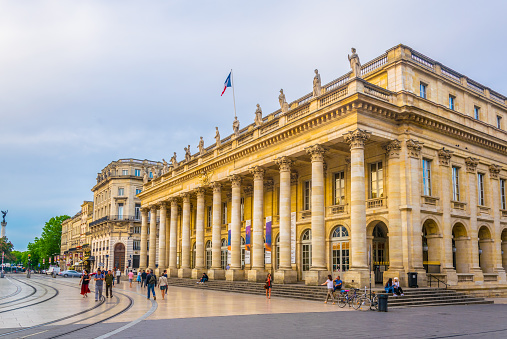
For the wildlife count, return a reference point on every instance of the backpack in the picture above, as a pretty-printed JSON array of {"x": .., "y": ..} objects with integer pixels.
[{"x": 153, "y": 280}]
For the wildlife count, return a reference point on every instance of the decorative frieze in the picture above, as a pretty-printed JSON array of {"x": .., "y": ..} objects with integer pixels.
[
  {"x": 471, "y": 164},
  {"x": 444, "y": 156},
  {"x": 414, "y": 148},
  {"x": 285, "y": 163},
  {"x": 393, "y": 149},
  {"x": 494, "y": 170},
  {"x": 316, "y": 152},
  {"x": 357, "y": 138}
]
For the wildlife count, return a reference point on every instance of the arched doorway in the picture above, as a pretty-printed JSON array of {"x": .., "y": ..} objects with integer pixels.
[
  {"x": 223, "y": 252},
  {"x": 340, "y": 250},
  {"x": 209, "y": 251},
  {"x": 431, "y": 246},
  {"x": 486, "y": 261},
  {"x": 460, "y": 249},
  {"x": 306, "y": 251},
  {"x": 379, "y": 251},
  {"x": 119, "y": 256}
]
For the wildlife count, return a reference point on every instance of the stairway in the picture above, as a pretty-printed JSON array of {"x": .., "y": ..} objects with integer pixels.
[{"x": 414, "y": 297}]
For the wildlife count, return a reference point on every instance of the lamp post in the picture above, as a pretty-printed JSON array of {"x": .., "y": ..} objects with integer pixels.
[{"x": 29, "y": 262}]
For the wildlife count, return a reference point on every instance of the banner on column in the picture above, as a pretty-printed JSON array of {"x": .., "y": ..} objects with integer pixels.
[
  {"x": 248, "y": 233},
  {"x": 293, "y": 238},
  {"x": 267, "y": 245},
  {"x": 229, "y": 245}
]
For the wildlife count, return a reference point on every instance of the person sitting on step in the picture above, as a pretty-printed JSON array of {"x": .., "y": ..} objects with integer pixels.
[
  {"x": 397, "y": 288},
  {"x": 389, "y": 286}
]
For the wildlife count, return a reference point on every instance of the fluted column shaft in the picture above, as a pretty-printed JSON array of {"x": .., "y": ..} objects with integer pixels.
[
  {"x": 143, "y": 260},
  {"x": 199, "y": 232},
  {"x": 236, "y": 223},
  {"x": 185, "y": 232},
  {"x": 153, "y": 237},
  {"x": 217, "y": 226},
  {"x": 285, "y": 164},
  {"x": 161, "y": 238},
  {"x": 394, "y": 194},
  {"x": 258, "y": 219},
  {"x": 173, "y": 249},
  {"x": 318, "y": 226}
]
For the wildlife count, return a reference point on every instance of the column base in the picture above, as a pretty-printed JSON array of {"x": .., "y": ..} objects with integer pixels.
[
  {"x": 235, "y": 275},
  {"x": 285, "y": 277},
  {"x": 478, "y": 275},
  {"x": 315, "y": 278},
  {"x": 451, "y": 276},
  {"x": 257, "y": 275},
  {"x": 172, "y": 273},
  {"x": 216, "y": 274},
  {"x": 197, "y": 273},
  {"x": 422, "y": 279},
  {"x": 392, "y": 273},
  {"x": 502, "y": 277},
  {"x": 184, "y": 273},
  {"x": 356, "y": 277}
]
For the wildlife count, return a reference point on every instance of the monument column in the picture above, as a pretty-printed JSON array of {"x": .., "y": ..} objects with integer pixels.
[
  {"x": 285, "y": 274},
  {"x": 184, "y": 271},
  {"x": 161, "y": 239},
  {"x": 235, "y": 273},
  {"x": 318, "y": 271},
  {"x": 257, "y": 273},
  {"x": 199, "y": 235},
  {"x": 143, "y": 259},
  {"x": 358, "y": 274},
  {"x": 173, "y": 239},
  {"x": 153, "y": 238},
  {"x": 216, "y": 271}
]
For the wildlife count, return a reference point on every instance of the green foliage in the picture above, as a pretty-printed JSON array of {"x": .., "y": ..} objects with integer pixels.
[{"x": 6, "y": 247}]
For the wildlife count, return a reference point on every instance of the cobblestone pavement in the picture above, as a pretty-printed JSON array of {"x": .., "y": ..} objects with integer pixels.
[{"x": 198, "y": 313}]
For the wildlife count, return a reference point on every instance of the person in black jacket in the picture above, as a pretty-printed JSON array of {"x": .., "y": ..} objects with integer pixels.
[
  {"x": 151, "y": 279},
  {"x": 143, "y": 278}
]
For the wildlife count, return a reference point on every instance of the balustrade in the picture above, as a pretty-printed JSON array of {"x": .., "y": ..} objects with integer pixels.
[
  {"x": 458, "y": 205},
  {"x": 465, "y": 277},
  {"x": 427, "y": 200},
  {"x": 376, "y": 203},
  {"x": 337, "y": 209}
]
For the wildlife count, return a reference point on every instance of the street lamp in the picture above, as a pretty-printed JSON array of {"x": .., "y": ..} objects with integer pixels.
[{"x": 29, "y": 262}]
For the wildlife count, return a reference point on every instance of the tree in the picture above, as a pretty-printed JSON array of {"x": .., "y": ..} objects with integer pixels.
[
  {"x": 51, "y": 237},
  {"x": 6, "y": 247}
]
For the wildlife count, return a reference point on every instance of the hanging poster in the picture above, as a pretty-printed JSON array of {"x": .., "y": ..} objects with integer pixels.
[
  {"x": 248, "y": 236},
  {"x": 229, "y": 245},
  {"x": 267, "y": 245},
  {"x": 293, "y": 238}
]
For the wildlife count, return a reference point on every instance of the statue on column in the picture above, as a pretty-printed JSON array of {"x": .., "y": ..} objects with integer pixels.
[
  {"x": 188, "y": 156},
  {"x": 258, "y": 116},
  {"x": 201, "y": 146},
  {"x": 174, "y": 162},
  {"x": 235, "y": 126},
  {"x": 217, "y": 137},
  {"x": 283, "y": 103},
  {"x": 4, "y": 213},
  {"x": 355, "y": 64},
  {"x": 316, "y": 84}
]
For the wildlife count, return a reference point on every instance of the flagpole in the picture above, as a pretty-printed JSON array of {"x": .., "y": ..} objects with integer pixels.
[{"x": 233, "y": 97}]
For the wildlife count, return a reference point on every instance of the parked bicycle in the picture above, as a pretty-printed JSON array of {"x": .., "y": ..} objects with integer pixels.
[
  {"x": 365, "y": 302},
  {"x": 346, "y": 297}
]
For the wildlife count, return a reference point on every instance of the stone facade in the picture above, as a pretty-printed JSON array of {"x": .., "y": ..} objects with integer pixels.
[
  {"x": 75, "y": 245},
  {"x": 398, "y": 169}
]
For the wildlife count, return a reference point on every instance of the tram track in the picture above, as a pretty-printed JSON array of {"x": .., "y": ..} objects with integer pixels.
[
  {"x": 46, "y": 291},
  {"x": 34, "y": 290},
  {"x": 18, "y": 290}
]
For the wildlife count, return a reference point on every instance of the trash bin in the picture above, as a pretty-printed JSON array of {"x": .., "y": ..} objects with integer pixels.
[
  {"x": 412, "y": 279},
  {"x": 382, "y": 302}
]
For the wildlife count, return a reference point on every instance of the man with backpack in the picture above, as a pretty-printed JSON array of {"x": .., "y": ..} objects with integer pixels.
[{"x": 151, "y": 280}]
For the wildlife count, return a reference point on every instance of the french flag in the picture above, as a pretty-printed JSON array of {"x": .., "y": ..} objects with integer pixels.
[{"x": 227, "y": 83}]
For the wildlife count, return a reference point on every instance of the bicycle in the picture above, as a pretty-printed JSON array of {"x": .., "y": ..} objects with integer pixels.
[
  {"x": 345, "y": 298},
  {"x": 366, "y": 303}
]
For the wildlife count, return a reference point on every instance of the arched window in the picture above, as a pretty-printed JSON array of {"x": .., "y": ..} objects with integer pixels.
[
  {"x": 340, "y": 247},
  {"x": 306, "y": 250},
  {"x": 223, "y": 257},
  {"x": 208, "y": 254},
  {"x": 243, "y": 253}
]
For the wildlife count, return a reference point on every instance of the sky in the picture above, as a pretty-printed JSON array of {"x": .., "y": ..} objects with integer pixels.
[{"x": 84, "y": 83}]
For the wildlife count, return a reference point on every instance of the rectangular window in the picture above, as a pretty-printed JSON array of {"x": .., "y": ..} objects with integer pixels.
[
  {"x": 242, "y": 207},
  {"x": 339, "y": 188},
  {"x": 137, "y": 229},
  {"x": 148, "y": 244},
  {"x": 137, "y": 245},
  {"x": 455, "y": 183},
  {"x": 138, "y": 190},
  {"x": 498, "y": 122},
  {"x": 451, "y": 102},
  {"x": 224, "y": 213},
  {"x": 477, "y": 111},
  {"x": 307, "y": 195},
  {"x": 422, "y": 90},
  {"x": 210, "y": 216},
  {"x": 121, "y": 191},
  {"x": 376, "y": 180},
  {"x": 426, "y": 164},
  {"x": 137, "y": 212},
  {"x": 151, "y": 175},
  {"x": 137, "y": 172},
  {"x": 120, "y": 211},
  {"x": 125, "y": 172},
  {"x": 502, "y": 194},
  {"x": 480, "y": 189}
]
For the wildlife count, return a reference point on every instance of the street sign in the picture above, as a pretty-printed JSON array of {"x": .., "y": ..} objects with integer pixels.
[{"x": 100, "y": 264}]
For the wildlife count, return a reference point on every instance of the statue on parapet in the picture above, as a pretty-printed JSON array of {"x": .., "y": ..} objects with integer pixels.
[
  {"x": 188, "y": 156},
  {"x": 283, "y": 103},
  {"x": 146, "y": 178},
  {"x": 4, "y": 213},
  {"x": 235, "y": 127},
  {"x": 316, "y": 84},
  {"x": 154, "y": 171},
  {"x": 258, "y": 116},
  {"x": 355, "y": 64},
  {"x": 217, "y": 138},
  {"x": 165, "y": 169},
  {"x": 201, "y": 146},
  {"x": 174, "y": 162}
]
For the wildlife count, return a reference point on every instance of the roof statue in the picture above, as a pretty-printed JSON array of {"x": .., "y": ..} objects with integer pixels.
[
  {"x": 217, "y": 137},
  {"x": 283, "y": 103},
  {"x": 235, "y": 126},
  {"x": 316, "y": 84},
  {"x": 355, "y": 64},
  {"x": 201, "y": 146},
  {"x": 258, "y": 116}
]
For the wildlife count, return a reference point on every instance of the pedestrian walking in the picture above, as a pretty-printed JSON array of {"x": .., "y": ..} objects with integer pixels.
[
  {"x": 162, "y": 282},
  {"x": 109, "y": 279},
  {"x": 139, "y": 277},
  {"x": 118, "y": 275},
  {"x": 85, "y": 280},
  {"x": 143, "y": 278},
  {"x": 99, "y": 283},
  {"x": 330, "y": 288},
  {"x": 268, "y": 286},
  {"x": 151, "y": 279},
  {"x": 131, "y": 277}
]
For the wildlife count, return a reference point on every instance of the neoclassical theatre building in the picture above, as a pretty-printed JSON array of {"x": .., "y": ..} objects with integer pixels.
[{"x": 398, "y": 166}]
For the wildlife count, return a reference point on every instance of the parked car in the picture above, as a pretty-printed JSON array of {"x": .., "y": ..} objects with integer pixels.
[
  {"x": 52, "y": 270},
  {"x": 70, "y": 273}
]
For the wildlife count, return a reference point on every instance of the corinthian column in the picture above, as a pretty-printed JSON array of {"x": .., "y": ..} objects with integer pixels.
[
  {"x": 161, "y": 238},
  {"x": 359, "y": 266},
  {"x": 173, "y": 238},
  {"x": 235, "y": 273},
  {"x": 216, "y": 271},
  {"x": 285, "y": 274},
  {"x": 153, "y": 237},
  {"x": 143, "y": 260},
  {"x": 257, "y": 271},
  {"x": 184, "y": 271},
  {"x": 199, "y": 235}
]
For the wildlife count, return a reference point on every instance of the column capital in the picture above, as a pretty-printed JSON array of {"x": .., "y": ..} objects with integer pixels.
[
  {"x": 316, "y": 152},
  {"x": 173, "y": 201},
  {"x": 285, "y": 163},
  {"x": 294, "y": 176},
  {"x": 216, "y": 186},
  {"x": 248, "y": 190},
  {"x": 144, "y": 209},
  {"x": 268, "y": 185},
  {"x": 199, "y": 192},
  {"x": 162, "y": 205},
  {"x": 357, "y": 138},
  {"x": 471, "y": 164},
  {"x": 393, "y": 149},
  {"x": 414, "y": 148},
  {"x": 257, "y": 172},
  {"x": 444, "y": 155},
  {"x": 186, "y": 197},
  {"x": 235, "y": 180},
  {"x": 494, "y": 170}
]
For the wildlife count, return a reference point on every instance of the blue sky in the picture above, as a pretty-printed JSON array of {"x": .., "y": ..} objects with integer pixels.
[{"x": 85, "y": 83}]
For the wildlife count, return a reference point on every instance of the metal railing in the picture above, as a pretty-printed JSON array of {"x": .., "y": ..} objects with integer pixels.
[{"x": 433, "y": 279}]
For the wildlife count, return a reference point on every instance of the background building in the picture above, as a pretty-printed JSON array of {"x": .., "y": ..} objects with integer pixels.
[{"x": 75, "y": 245}]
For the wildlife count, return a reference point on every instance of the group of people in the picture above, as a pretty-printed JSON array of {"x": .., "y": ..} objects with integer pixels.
[
  {"x": 147, "y": 278},
  {"x": 99, "y": 277},
  {"x": 332, "y": 287},
  {"x": 394, "y": 287}
]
